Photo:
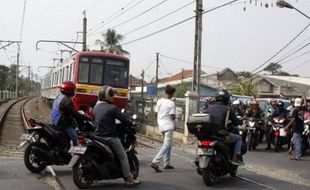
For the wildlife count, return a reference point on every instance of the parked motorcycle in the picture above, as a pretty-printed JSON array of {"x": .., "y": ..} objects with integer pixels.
[
  {"x": 213, "y": 151},
  {"x": 47, "y": 145},
  {"x": 306, "y": 136},
  {"x": 278, "y": 134},
  {"x": 95, "y": 160}
]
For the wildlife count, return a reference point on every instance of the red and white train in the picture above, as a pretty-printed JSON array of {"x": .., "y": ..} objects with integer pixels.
[{"x": 89, "y": 70}]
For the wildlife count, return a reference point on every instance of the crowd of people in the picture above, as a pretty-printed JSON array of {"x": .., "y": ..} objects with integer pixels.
[{"x": 295, "y": 114}]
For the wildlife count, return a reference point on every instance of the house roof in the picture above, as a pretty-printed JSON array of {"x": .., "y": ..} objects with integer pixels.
[
  {"x": 293, "y": 79},
  {"x": 133, "y": 81},
  {"x": 179, "y": 76}
]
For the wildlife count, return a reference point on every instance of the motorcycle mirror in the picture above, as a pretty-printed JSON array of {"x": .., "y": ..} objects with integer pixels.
[{"x": 134, "y": 116}]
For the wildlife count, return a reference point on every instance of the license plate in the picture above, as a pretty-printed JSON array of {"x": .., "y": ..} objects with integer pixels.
[
  {"x": 26, "y": 136},
  {"x": 205, "y": 151},
  {"x": 251, "y": 129},
  {"x": 78, "y": 150}
]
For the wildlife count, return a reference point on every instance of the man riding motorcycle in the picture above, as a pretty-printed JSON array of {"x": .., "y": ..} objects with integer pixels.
[
  {"x": 236, "y": 105},
  {"x": 104, "y": 115},
  {"x": 279, "y": 111},
  {"x": 219, "y": 110},
  {"x": 63, "y": 112},
  {"x": 256, "y": 113}
]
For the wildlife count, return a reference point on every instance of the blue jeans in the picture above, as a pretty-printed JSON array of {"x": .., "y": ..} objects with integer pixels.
[
  {"x": 237, "y": 140},
  {"x": 297, "y": 138},
  {"x": 165, "y": 151},
  {"x": 72, "y": 134}
]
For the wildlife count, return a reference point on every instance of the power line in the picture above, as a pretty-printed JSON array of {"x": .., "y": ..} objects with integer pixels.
[
  {"x": 293, "y": 53},
  {"x": 184, "y": 61},
  {"x": 160, "y": 18},
  {"x": 176, "y": 24},
  {"x": 296, "y": 57},
  {"x": 300, "y": 65},
  {"x": 23, "y": 20},
  {"x": 120, "y": 10},
  {"x": 163, "y": 66},
  {"x": 138, "y": 15},
  {"x": 282, "y": 49},
  {"x": 103, "y": 23}
]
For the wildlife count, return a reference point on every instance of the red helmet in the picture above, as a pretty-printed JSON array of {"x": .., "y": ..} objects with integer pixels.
[
  {"x": 68, "y": 88},
  {"x": 255, "y": 102}
]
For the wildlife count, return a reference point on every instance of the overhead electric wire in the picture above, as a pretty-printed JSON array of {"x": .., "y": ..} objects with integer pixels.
[
  {"x": 293, "y": 53},
  {"x": 140, "y": 14},
  {"x": 158, "y": 19},
  {"x": 296, "y": 57},
  {"x": 103, "y": 23},
  {"x": 23, "y": 20},
  {"x": 282, "y": 49},
  {"x": 163, "y": 66},
  {"x": 122, "y": 9},
  {"x": 184, "y": 61},
  {"x": 176, "y": 24},
  {"x": 308, "y": 60}
]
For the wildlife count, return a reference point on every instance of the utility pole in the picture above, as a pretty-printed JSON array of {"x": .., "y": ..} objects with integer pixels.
[
  {"x": 156, "y": 83},
  {"x": 142, "y": 89},
  {"x": 84, "y": 30},
  {"x": 28, "y": 86},
  {"x": 197, "y": 50},
  {"x": 17, "y": 70},
  {"x": 182, "y": 76}
]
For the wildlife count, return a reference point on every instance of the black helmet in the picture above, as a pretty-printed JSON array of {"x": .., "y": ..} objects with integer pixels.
[
  {"x": 222, "y": 96},
  {"x": 280, "y": 104},
  {"x": 106, "y": 93}
]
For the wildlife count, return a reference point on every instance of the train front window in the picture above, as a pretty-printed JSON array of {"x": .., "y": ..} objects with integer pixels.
[
  {"x": 83, "y": 72},
  {"x": 116, "y": 73},
  {"x": 96, "y": 72}
]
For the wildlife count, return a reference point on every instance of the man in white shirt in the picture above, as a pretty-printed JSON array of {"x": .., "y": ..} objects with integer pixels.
[{"x": 165, "y": 110}]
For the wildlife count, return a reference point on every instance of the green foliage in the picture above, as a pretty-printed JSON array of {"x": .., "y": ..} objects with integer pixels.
[
  {"x": 273, "y": 68},
  {"x": 180, "y": 91},
  {"x": 245, "y": 88},
  {"x": 245, "y": 74},
  {"x": 8, "y": 81},
  {"x": 111, "y": 42}
]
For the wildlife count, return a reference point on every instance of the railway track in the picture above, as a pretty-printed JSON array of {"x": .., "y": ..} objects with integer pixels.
[{"x": 12, "y": 125}]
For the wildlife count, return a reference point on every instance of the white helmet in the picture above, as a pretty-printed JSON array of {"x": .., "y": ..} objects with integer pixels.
[{"x": 236, "y": 102}]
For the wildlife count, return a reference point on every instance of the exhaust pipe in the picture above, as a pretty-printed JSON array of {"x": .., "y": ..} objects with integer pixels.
[{"x": 44, "y": 155}]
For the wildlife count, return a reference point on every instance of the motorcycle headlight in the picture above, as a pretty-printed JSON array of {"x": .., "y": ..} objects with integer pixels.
[{"x": 251, "y": 124}]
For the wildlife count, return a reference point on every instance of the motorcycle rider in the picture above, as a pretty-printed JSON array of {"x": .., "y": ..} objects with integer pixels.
[
  {"x": 256, "y": 113},
  {"x": 219, "y": 110},
  {"x": 104, "y": 114},
  {"x": 236, "y": 105},
  {"x": 63, "y": 112}
]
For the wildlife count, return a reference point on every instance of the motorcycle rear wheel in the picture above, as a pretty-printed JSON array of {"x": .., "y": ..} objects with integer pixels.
[
  {"x": 234, "y": 172},
  {"x": 29, "y": 158},
  {"x": 78, "y": 174},
  {"x": 208, "y": 176}
]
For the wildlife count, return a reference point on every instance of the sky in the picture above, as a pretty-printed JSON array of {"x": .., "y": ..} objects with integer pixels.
[{"x": 241, "y": 36}]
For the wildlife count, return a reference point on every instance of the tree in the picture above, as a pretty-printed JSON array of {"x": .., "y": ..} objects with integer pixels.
[
  {"x": 3, "y": 75},
  {"x": 245, "y": 88},
  {"x": 273, "y": 68},
  {"x": 180, "y": 91},
  {"x": 111, "y": 42},
  {"x": 10, "y": 80},
  {"x": 245, "y": 74}
]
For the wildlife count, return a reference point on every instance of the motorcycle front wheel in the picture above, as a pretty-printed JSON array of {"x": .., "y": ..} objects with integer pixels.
[
  {"x": 134, "y": 166},
  {"x": 250, "y": 139},
  {"x": 82, "y": 177},
  {"x": 277, "y": 144},
  {"x": 32, "y": 162}
]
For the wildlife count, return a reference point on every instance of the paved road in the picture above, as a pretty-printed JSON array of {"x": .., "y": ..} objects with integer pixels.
[
  {"x": 13, "y": 176},
  {"x": 183, "y": 177}
]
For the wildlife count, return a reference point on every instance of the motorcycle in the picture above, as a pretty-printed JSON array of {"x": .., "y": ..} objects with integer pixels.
[
  {"x": 253, "y": 129},
  {"x": 95, "y": 160},
  {"x": 278, "y": 134},
  {"x": 306, "y": 136},
  {"x": 213, "y": 151},
  {"x": 47, "y": 145}
]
